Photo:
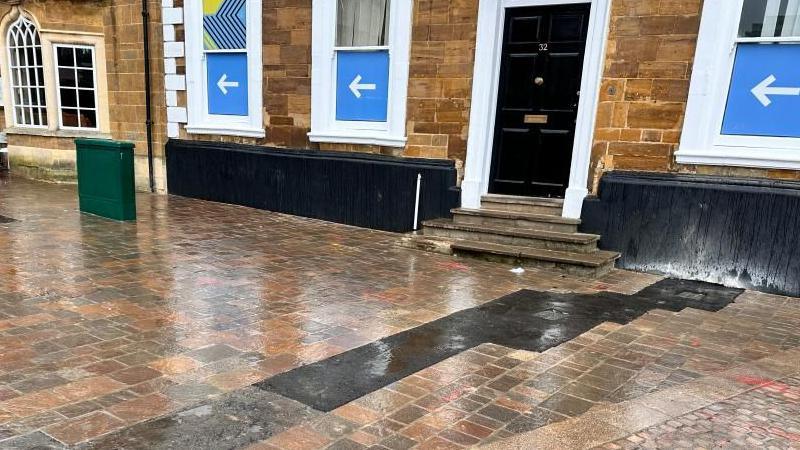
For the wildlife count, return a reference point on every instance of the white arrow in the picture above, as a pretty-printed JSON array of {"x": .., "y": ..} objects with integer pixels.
[
  {"x": 356, "y": 87},
  {"x": 223, "y": 84},
  {"x": 763, "y": 90}
]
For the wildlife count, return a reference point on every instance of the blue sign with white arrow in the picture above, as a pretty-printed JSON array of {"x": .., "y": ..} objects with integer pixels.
[
  {"x": 764, "y": 98},
  {"x": 362, "y": 86},
  {"x": 227, "y": 84}
]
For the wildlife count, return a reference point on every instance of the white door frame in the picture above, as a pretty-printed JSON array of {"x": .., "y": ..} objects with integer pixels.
[{"x": 486, "y": 75}]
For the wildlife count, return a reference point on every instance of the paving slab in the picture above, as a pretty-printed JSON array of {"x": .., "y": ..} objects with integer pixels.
[{"x": 196, "y": 299}]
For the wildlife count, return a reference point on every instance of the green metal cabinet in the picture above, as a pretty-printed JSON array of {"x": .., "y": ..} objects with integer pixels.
[{"x": 105, "y": 178}]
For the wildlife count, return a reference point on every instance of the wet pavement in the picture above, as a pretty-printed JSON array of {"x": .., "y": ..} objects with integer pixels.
[
  {"x": 766, "y": 417},
  {"x": 525, "y": 320},
  {"x": 213, "y": 326}
]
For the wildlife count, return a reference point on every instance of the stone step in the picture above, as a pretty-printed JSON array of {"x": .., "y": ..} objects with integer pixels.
[
  {"x": 532, "y": 205},
  {"x": 591, "y": 265},
  {"x": 497, "y": 218},
  {"x": 523, "y": 237}
]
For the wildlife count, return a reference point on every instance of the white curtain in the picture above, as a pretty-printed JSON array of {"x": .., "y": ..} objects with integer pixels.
[
  {"x": 362, "y": 23},
  {"x": 790, "y": 16},
  {"x": 791, "y": 24},
  {"x": 771, "y": 18}
]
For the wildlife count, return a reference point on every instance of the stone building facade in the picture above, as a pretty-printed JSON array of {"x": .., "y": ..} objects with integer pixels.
[
  {"x": 646, "y": 70},
  {"x": 597, "y": 103},
  {"x": 110, "y": 32},
  {"x": 439, "y": 87},
  {"x": 377, "y": 112}
]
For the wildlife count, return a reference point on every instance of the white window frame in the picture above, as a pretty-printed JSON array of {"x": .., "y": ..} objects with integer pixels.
[
  {"x": 702, "y": 141},
  {"x": 199, "y": 120},
  {"x": 40, "y": 84},
  {"x": 324, "y": 126},
  {"x": 96, "y": 108}
]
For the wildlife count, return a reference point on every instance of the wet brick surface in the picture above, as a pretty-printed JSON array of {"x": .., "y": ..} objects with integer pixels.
[
  {"x": 104, "y": 325},
  {"x": 525, "y": 320},
  {"x": 493, "y": 392},
  {"x": 767, "y": 417},
  {"x": 151, "y": 335}
]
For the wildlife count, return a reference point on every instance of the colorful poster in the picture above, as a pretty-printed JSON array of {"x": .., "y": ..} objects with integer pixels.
[{"x": 224, "y": 24}]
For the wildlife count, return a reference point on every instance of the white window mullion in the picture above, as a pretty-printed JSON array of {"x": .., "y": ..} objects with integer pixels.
[{"x": 36, "y": 63}]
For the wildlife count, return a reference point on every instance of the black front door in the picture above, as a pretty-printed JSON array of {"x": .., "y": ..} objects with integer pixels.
[{"x": 537, "y": 103}]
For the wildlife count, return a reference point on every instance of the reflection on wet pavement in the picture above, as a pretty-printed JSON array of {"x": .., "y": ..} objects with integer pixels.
[
  {"x": 608, "y": 383},
  {"x": 525, "y": 320},
  {"x": 104, "y": 325}
]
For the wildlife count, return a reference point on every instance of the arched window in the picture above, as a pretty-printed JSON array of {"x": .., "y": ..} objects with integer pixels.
[{"x": 27, "y": 74}]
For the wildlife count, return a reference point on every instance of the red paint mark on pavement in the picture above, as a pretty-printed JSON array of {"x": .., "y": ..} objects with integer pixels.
[
  {"x": 753, "y": 381},
  {"x": 763, "y": 383}
]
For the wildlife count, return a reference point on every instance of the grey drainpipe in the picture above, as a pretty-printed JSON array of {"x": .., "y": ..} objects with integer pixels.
[{"x": 147, "y": 93}]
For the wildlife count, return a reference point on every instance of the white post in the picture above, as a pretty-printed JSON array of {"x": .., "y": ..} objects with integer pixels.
[{"x": 416, "y": 204}]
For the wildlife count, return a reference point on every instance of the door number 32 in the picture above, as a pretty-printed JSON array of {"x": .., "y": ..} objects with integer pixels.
[{"x": 542, "y": 47}]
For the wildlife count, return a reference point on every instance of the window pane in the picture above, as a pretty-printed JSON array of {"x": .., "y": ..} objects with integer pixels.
[
  {"x": 362, "y": 23},
  {"x": 66, "y": 77},
  {"x": 69, "y": 117},
  {"x": 770, "y": 18},
  {"x": 65, "y": 56},
  {"x": 83, "y": 57},
  {"x": 88, "y": 118},
  {"x": 86, "y": 98},
  {"x": 85, "y": 78},
  {"x": 68, "y": 98},
  {"x": 224, "y": 24}
]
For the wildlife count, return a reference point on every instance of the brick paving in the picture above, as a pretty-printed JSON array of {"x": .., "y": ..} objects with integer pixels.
[
  {"x": 767, "y": 417},
  {"x": 104, "y": 325},
  {"x": 112, "y": 332},
  {"x": 490, "y": 392}
]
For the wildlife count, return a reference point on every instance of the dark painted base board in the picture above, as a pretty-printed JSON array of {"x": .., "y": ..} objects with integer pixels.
[
  {"x": 371, "y": 191},
  {"x": 736, "y": 232}
]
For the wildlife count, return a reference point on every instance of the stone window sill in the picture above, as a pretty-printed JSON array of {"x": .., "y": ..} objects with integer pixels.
[{"x": 56, "y": 133}]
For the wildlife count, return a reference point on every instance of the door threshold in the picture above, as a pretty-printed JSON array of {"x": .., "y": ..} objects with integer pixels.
[{"x": 524, "y": 199}]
